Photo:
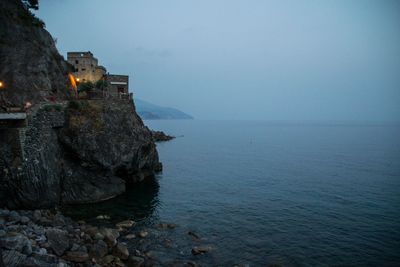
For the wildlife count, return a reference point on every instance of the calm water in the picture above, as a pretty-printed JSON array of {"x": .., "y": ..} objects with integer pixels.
[{"x": 287, "y": 193}]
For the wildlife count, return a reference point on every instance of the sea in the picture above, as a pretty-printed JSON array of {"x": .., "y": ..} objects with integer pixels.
[{"x": 268, "y": 193}]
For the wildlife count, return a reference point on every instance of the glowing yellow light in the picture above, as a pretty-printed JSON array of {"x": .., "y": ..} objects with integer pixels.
[
  {"x": 78, "y": 79},
  {"x": 72, "y": 80},
  {"x": 1, "y": 84}
]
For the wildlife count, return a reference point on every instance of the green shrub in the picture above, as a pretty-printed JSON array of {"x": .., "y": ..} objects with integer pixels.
[{"x": 85, "y": 86}]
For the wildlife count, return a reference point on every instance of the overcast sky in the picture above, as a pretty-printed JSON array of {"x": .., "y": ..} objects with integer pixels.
[{"x": 248, "y": 59}]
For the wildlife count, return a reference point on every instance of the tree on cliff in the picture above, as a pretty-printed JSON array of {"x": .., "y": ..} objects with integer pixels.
[{"x": 34, "y": 4}]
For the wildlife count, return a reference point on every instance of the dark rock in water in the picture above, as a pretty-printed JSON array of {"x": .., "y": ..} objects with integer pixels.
[
  {"x": 193, "y": 235},
  {"x": 121, "y": 251},
  {"x": 160, "y": 136},
  {"x": 125, "y": 224},
  {"x": 200, "y": 250},
  {"x": 58, "y": 240},
  {"x": 143, "y": 234},
  {"x": 134, "y": 261}
]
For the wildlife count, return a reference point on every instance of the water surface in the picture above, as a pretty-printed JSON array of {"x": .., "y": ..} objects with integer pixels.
[{"x": 295, "y": 194}]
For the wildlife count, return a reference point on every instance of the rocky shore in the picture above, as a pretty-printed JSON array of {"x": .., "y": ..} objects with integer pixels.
[
  {"x": 160, "y": 136},
  {"x": 47, "y": 238}
]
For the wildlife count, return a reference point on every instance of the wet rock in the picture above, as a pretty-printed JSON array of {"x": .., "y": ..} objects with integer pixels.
[
  {"x": 103, "y": 217},
  {"x": 27, "y": 250},
  {"x": 192, "y": 264},
  {"x": 143, "y": 234},
  {"x": 58, "y": 240},
  {"x": 134, "y": 261},
  {"x": 167, "y": 226},
  {"x": 110, "y": 236},
  {"x": 130, "y": 236},
  {"x": 159, "y": 136},
  {"x": 99, "y": 249},
  {"x": 125, "y": 224},
  {"x": 76, "y": 256},
  {"x": 193, "y": 235},
  {"x": 91, "y": 231},
  {"x": 106, "y": 260},
  {"x": 2, "y": 233},
  {"x": 98, "y": 236},
  {"x": 14, "y": 216},
  {"x": 200, "y": 250},
  {"x": 49, "y": 258},
  {"x": 12, "y": 258},
  {"x": 121, "y": 251},
  {"x": 24, "y": 219},
  {"x": 14, "y": 242},
  {"x": 36, "y": 215}
]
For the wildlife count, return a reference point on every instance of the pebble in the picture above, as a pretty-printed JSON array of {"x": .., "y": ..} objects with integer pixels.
[
  {"x": 130, "y": 236},
  {"x": 125, "y": 224},
  {"x": 103, "y": 217},
  {"x": 143, "y": 234}
]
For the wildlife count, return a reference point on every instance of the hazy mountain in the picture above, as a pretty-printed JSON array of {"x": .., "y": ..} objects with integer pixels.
[{"x": 149, "y": 111}]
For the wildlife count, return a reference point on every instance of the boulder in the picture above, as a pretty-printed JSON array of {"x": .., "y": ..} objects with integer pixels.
[
  {"x": 121, "y": 251},
  {"x": 98, "y": 250},
  {"x": 58, "y": 240},
  {"x": 200, "y": 250},
  {"x": 143, "y": 234},
  {"x": 12, "y": 258},
  {"x": 125, "y": 224},
  {"x": 15, "y": 242},
  {"x": 134, "y": 261},
  {"x": 76, "y": 256},
  {"x": 110, "y": 236}
]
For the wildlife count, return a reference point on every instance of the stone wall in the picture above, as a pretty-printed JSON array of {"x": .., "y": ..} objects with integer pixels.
[{"x": 35, "y": 171}]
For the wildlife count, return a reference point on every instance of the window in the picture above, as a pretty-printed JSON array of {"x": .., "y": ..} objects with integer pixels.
[
  {"x": 83, "y": 69},
  {"x": 76, "y": 61}
]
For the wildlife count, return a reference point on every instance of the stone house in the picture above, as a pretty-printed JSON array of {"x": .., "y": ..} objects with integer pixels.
[
  {"x": 117, "y": 84},
  {"x": 86, "y": 66},
  {"x": 86, "y": 69}
]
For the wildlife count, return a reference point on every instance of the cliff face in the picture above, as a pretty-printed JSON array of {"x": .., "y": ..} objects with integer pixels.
[
  {"x": 30, "y": 65},
  {"x": 70, "y": 151}
]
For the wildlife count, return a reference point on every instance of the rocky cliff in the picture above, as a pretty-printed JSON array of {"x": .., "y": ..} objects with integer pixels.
[
  {"x": 70, "y": 151},
  {"x": 30, "y": 65}
]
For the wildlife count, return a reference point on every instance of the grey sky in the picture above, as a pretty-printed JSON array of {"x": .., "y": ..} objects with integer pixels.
[{"x": 248, "y": 59}]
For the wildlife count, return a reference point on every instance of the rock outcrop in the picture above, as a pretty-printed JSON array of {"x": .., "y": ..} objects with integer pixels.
[
  {"x": 71, "y": 151},
  {"x": 30, "y": 66}
]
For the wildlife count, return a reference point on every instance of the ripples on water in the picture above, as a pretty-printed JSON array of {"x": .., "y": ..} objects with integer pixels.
[{"x": 292, "y": 194}]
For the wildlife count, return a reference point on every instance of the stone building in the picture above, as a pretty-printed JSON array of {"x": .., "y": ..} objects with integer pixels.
[
  {"x": 117, "y": 84},
  {"x": 87, "y": 69},
  {"x": 86, "y": 66}
]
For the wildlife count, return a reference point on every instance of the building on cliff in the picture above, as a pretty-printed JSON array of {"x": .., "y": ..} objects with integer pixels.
[
  {"x": 87, "y": 69},
  {"x": 86, "y": 66}
]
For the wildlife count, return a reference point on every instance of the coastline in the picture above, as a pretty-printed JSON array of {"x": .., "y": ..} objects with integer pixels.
[{"x": 49, "y": 238}]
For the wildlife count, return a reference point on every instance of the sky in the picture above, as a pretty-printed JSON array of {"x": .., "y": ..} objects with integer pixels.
[{"x": 304, "y": 60}]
